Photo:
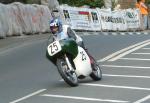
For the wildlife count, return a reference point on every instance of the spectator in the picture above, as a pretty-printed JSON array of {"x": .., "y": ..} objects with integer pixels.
[{"x": 144, "y": 13}]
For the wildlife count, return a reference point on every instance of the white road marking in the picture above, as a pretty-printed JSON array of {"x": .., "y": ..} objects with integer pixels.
[
  {"x": 96, "y": 33},
  {"x": 138, "y": 33},
  {"x": 122, "y": 33},
  {"x": 135, "y": 59},
  {"x": 146, "y": 48},
  {"x": 146, "y": 33},
  {"x": 114, "y": 34},
  {"x": 105, "y": 33},
  {"x": 84, "y": 98},
  {"x": 86, "y": 34},
  {"x": 123, "y": 76},
  {"x": 61, "y": 80},
  {"x": 127, "y": 76},
  {"x": 141, "y": 53},
  {"x": 130, "y": 33},
  {"x": 28, "y": 96},
  {"x": 116, "y": 86},
  {"x": 129, "y": 51},
  {"x": 121, "y": 51},
  {"x": 120, "y": 66},
  {"x": 143, "y": 99}
]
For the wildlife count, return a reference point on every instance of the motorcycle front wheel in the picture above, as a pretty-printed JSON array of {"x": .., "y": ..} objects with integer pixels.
[{"x": 69, "y": 76}]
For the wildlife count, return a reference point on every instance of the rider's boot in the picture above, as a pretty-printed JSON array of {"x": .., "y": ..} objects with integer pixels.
[
  {"x": 86, "y": 50},
  {"x": 91, "y": 58}
]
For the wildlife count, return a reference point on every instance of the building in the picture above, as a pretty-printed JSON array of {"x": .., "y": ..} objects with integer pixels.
[
  {"x": 124, "y": 4},
  {"x": 127, "y": 3}
]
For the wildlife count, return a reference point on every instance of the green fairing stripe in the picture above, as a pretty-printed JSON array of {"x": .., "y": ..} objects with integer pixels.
[{"x": 68, "y": 46}]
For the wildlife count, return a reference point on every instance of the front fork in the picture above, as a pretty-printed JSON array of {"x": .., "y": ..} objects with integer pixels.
[{"x": 68, "y": 63}]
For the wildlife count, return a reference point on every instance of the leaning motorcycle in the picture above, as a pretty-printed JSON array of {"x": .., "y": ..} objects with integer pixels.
[{"x": 72, "y": 61}]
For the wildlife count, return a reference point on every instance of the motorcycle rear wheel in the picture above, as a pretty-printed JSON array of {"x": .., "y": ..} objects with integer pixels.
[
  {"x": 97, "y": 72},
  {"x": 69, "y": 76}
]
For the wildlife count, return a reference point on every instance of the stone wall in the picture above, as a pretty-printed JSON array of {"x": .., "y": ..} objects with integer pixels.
[
  {"x": 22, "y": 1},
  {"x": 127, "y": 3}
]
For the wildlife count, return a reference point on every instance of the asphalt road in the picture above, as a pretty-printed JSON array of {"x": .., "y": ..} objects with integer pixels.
[{"x": 26, "y": 76}]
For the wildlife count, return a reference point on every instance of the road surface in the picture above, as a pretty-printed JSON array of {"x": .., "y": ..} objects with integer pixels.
[{"x": 26, "y": 76}]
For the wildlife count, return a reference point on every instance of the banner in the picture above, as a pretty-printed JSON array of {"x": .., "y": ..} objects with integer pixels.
[
  {"x": 81, "y": 18},
  {"x": 105, "y": 16},
  {"x": 132, "y": 18},
  {"x": 101, "y": 19},
  {"x": 95, "y": 20},
  {"x": 77, "y": 18},
  {"x": 118, "y": 21}
]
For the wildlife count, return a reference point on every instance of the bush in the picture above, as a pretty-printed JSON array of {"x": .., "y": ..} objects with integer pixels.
[{"x": 91, "y": 3}]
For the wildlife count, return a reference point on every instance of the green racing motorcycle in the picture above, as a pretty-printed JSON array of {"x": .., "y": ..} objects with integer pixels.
[{"x": 72, "y": 61}]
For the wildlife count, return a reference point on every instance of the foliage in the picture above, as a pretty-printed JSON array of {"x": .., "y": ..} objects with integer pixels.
[
  {"x": 33, "y": 1},
  {"x": 10, "y": 1},
  {"x": 147, "y": 1},
  {"x": 91, "y": 3}
]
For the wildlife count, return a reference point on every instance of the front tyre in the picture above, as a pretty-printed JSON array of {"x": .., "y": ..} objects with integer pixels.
[{"x": 69, "y": 76}]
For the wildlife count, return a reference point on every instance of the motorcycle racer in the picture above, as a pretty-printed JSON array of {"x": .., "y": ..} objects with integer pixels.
[
  {"x": 61, "y": 31},
  {"x": 66, "y": 50}
]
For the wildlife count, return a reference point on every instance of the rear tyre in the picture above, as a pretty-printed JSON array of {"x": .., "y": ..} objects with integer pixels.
[
  {"x": 97, "y": 72},
  {"x": 69, "y": 76}
]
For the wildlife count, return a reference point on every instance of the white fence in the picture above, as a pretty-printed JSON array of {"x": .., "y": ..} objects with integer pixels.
[{"x": 18, "y": 19}]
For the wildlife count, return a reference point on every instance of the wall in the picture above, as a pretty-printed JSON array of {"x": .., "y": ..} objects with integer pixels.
[{"x": 125, "y": 4}]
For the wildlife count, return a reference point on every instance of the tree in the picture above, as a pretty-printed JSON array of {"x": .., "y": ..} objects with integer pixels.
[
  {"x": 148, "y": 2},
  {"x": 10, "y": 1},
  {"x": 91, "y": 3}
]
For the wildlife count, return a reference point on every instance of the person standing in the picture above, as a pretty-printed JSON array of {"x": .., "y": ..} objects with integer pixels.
[{"x": 144, "y": 13}]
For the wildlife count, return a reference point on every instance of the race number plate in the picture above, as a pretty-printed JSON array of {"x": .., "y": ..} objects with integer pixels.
[{"x": 54, "y": 48}]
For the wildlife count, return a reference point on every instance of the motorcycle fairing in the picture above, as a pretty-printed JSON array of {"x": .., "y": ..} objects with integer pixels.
[{"x": 82, "y": 63}]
